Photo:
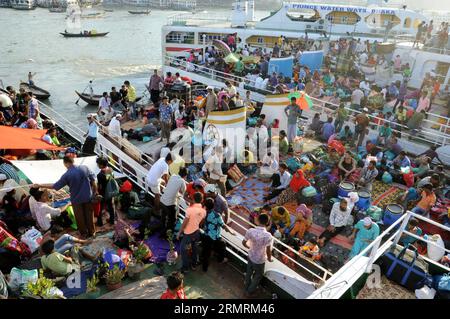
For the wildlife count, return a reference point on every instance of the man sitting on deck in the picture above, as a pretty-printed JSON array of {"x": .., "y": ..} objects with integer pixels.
[{"x": 280, "y": 181}]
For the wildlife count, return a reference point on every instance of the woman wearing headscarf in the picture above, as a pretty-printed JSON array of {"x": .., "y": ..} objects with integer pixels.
[
  {"x": 303, "y": 222},
  {"x": 298, "y": 182}
]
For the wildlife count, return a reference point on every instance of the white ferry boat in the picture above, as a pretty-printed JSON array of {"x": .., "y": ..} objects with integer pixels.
[
  {"x": 23, "y": 4},
  {"x": 292, "y": 20}
]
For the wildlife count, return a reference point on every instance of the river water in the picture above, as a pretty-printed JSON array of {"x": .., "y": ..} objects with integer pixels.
[{"x": 31, "y": 42}]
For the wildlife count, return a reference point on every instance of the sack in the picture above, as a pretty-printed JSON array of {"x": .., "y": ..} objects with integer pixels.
[
  {"x": 433, "y": 252},
  {"x": 19, "y": 278},
  {"x": 235, "y": 173},
  {"x": 32, "y": 238},
  {"x": 293, "y": 164},
  {"x": 309, "y": 191},
  {"x": 443, "y": 282},
  {"x": 425, "y": 293},
  {"x": 3, "y": 287},
  {"x": 409, "y": 179},
  {"x": 387, "y": 178},
  {"x": 403, "y": 272},
  {"x": 374, "y": 212},
  {"x": 137, "y": 212},
  {"x": 112, "y": 188}
]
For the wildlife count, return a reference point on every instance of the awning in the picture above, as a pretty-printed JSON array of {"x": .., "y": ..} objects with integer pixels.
[
  {"x": 14, "y": 138},
  {"x": 49, "y": 172}
]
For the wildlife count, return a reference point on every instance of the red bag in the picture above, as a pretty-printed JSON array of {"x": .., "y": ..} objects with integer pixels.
[
  {"x": 97, "y": 208},
  {"x": 409, "y": 179}
]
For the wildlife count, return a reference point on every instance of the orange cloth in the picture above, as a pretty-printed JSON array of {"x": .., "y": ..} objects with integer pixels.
[
  {"x": 298, "y": 181},
  {"x": 14, "y": 138},
  {"x": 427, "y": 201}
]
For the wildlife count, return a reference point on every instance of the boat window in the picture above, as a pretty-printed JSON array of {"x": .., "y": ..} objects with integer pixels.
[
  {"x": 407, "y": 23},
  {"x": 180, "y": 37},
  {"x": 210, "y": 37},
  {"x": 376, "y": 20},
  {"x": 260, "y": 40},
  {"x": 342, "y": 17},
  {"x": 303, "y": 15}
]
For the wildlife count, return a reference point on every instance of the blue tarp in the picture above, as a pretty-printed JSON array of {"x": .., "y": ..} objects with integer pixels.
[
  {"x": 282, "y": 66},
  {"x": 312, "y": 59}
]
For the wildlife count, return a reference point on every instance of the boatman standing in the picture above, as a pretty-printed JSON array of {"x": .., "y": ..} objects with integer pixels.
[
  {"x": 91, "y": 136},
  {"x": 91, "y": 89},
  {"x": 30, "y": 78}
]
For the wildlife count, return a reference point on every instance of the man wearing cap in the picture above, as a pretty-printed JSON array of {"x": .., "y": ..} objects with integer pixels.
[
  {"x": 165, "y": 118},
  {"x": 91, "y": 136},
  {"x": 361, "y": 125},
  {"x": 211, "y": 100},
  {"x": 114, "y": 126},
  {"x": 220, "y": 203},
  {"x": 364, "y": 232}
]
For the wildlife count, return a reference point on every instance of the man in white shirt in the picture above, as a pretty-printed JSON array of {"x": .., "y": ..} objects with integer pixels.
[
  {"x": 363, "y": 58},
  {"x": 280, "y": 181},
  {"x": 231, "y": 90},
  {"x": 176, "y": 187},
  {"x": 104, "y": 108},
  {"x": 44, "y": 212},
  {"x": 157, "y": 176},
  {"x": 357, "y": 96},
  {"x": 259, "y": 82},
  {"x": 114, "y": 126},
  {"x": 339, "y": 218},
  {"x": 365, "y": 86},
  {"x": 214, "y": 168}
]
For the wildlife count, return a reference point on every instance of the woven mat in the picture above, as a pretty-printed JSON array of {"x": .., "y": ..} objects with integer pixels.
[
  {"x": 388, "y": 290},
  {"x": 384, "y": 194},
  {"x": 249, "y": 194}
]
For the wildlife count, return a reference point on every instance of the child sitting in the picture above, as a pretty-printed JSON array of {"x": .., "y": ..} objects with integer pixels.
[
  {"x": 175, "y": 288},
  {"x": 311, "y": 249},
  {"x": 56, "y": 262}
]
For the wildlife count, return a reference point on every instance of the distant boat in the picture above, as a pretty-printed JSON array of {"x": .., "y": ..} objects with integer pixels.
[
  {"x": 91, "y": 100},
  {"x": 38, "y": 92},
  {"x": 108, "y": 10},
  {"x": 57, "y": 9},
  {"x": 140, "y": 12},
  {"x": 23, "y": 4},
  {"x": 83, "y": 35},
  {"x": 93, "y": 15}
]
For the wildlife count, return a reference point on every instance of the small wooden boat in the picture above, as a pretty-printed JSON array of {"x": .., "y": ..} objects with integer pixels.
[
  {"x": 38, "y": 92},
  {"x": 57, "y": 9},
  {"x": 95, "y": 99},
  {"x": 140, "y": 12},
  {"x": 83, "y": 35},
  {"x": 91, "y": 100},
  {"x": 93, "y": 15}
]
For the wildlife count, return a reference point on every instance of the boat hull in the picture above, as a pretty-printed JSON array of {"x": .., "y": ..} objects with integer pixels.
[
  {"x": 78, "y": 35},
  {"x": 94, "y": 100},
  {"x": 38, "y": 92}
]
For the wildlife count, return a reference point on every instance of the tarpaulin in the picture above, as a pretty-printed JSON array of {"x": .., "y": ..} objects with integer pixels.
[
  {"x": 282, "y": 66},
  {"x": 49, "y": 172},
  {"x": 13, "y": 138},
  {"x": 312, "y": 59}
]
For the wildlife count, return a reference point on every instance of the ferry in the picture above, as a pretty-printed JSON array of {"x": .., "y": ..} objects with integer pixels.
[
  {"x": 291, "y": 20},
  {"x": 23, "y": 4},
  {"x": 5, "y": 4}
]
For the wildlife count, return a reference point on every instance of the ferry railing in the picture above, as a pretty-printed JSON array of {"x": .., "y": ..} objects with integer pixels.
[
  {"x": 430, "y": 135},
  {"x": 335, "y": 287},
  {"x": 131, "y": 171}
]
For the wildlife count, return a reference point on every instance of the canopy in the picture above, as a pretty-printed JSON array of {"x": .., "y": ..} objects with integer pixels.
[
  {"x": 49, "y": 172},
  {"x": 5, "y": 101},
  {"x": 14, "y": 138},
  {"x": 222, "y": 46}
]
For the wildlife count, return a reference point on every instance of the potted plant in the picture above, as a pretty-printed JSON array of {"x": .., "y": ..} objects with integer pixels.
[
  {"x": 140, "y": 254},
  {"x": 43, "y": 288},
  {"x": 92, "y": 291},
  {"x": 172, "y": 255},
  {"x": 114, "y": 278}
]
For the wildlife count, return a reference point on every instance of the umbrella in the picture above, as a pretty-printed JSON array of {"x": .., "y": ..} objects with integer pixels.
[
  {"x": 231, "y": 58},
  {"x": 303, "y": 100}
]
